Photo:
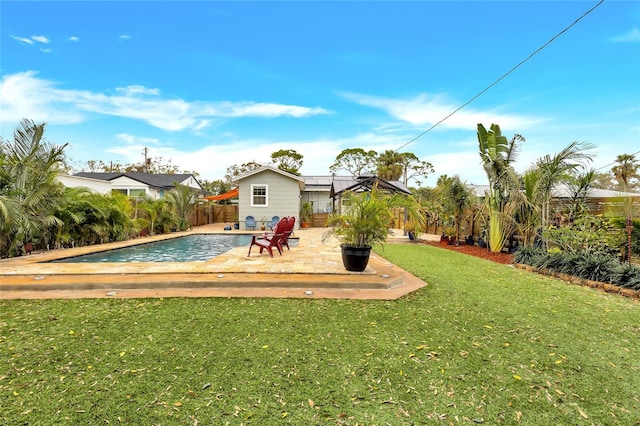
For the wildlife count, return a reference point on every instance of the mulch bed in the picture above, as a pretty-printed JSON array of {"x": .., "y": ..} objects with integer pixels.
[{"x": 504, "y": 258}]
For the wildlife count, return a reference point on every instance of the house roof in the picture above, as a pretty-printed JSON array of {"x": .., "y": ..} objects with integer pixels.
[
  {"x": 160, "y": 180},
  {"x": 365, "y": 183},
  {"x": 272, "y": 169},
  {"x": 317, "y": 183},
  {"x": 563, "y": 191}
]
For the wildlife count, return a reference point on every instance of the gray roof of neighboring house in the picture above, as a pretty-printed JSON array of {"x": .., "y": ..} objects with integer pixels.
[
  {"x": 164, "y": 180},
  {"x": 563, "y": 191}
]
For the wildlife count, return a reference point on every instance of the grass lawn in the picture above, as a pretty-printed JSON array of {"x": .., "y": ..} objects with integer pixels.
[{"x": 483, "y": 343}]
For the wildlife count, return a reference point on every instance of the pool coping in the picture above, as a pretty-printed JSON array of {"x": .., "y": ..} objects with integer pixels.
[{"x": 312, "y": 269}]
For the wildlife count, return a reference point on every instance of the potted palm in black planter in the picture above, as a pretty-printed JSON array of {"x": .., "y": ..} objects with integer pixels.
[{"x": 365, "y": 223}]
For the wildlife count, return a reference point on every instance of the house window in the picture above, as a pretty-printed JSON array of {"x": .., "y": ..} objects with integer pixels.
[
  {"x": 136, "y": 192},
  {"x": 259, "y": 195}
]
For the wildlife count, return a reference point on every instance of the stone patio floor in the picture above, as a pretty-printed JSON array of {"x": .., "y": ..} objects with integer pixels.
[{"x": 311, "y": 269}]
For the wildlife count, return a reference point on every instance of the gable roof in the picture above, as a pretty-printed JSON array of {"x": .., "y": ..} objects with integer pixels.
[
  {"x": 365, "y": 183},
  {"x": 160, "y": 180},
  {"x": 273, "y": 169}
]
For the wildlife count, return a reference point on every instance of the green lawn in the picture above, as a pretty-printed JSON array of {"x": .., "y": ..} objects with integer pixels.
[{"x": 482, "y": 343}]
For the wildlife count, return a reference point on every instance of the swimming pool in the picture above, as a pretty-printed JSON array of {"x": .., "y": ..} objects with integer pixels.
[{"x": 191, "y": 248}]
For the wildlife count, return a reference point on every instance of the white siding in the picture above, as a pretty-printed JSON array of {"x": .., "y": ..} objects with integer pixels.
[
  {"x": 124, "y": 183},
  {"x": 96, "y": 185}
]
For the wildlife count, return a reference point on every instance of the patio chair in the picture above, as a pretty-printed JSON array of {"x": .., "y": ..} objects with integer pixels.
[
  {"x": 249, "y": 222},
  {"x": 282, "y": 227},
  {"x": 274, "y": 222},
  {"x": 266, "y": 244},
  {"x": 288, "y": 231}
]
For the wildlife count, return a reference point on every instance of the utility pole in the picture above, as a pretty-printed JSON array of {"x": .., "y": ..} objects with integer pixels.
[{"x": 147, "y": 160}]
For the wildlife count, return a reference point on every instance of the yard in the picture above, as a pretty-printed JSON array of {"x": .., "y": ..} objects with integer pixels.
[{"x": 482, "y": 343}]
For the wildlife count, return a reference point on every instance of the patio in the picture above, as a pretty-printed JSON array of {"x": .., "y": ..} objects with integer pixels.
[{"x": 312, "y": 269}]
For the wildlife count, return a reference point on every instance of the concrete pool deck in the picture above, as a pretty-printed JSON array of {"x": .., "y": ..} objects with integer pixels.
[{"x": 311, "y": 269}]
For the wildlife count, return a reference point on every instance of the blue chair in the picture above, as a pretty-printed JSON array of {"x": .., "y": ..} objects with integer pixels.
[
  {"x": 249, "y": 222},
  {"x": 274, "y": 222}
]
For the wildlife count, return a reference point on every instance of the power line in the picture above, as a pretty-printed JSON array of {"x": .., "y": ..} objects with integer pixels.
[
  {"x": 504, "y": 75},
  {"x": 613, "y": 162}
]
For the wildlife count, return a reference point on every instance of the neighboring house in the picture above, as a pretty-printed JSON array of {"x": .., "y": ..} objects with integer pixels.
[
  {"x": 597, "y": 200},
  {"x": 268, "y": 192},
  {"x": 137, "y": 184},
  {"x": 95, "y": 185}
]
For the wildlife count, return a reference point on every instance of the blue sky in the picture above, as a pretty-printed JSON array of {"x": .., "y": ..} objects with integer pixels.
[{"x": 211, "y": 84}]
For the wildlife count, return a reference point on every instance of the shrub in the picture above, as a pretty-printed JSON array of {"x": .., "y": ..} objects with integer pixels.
[
  {"x": 596, "y": 267},
  {"x": 628, "y": 276},
  {"x": 529, "y": 255},
  {"x": 591, "y": 266}
]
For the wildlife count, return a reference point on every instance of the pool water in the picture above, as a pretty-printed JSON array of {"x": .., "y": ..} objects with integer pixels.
[{"x": 191, "y": 248}]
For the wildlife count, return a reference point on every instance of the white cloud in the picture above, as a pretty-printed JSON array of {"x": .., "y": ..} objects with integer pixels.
[
  {"x": 137, "y": 90},
  {"x": 22, "y": 39},
  {"x": 25, "y": 95},
  {"x": 125, "y": 37},
  {"x": 130, "y": 139},
  {"x": 426, "y": 110},
  {"x": 74, "y": 38},
  {"x": 632, "y": 36},
  {"x": 40, "y": 39}
]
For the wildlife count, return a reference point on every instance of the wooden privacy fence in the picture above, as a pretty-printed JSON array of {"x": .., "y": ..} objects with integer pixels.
[{"x": 204, "y": 214}]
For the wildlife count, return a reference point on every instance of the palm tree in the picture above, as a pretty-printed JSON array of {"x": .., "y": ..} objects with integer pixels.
[
  {"x": 152, "y": 210},
  {"x": 29, "y": 166},
  {"x": 579, "y": 185},
  {"x": 497, "y": 154},
  {"x": 556, "y": 169},
  {"x": 390, "y": 165},
  {"x": 182, "y": 201},
  {"x": 625, "y": 169},
  {"x": 456, "y": 198}
]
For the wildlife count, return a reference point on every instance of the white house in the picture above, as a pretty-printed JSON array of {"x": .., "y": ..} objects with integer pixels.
[
  {"x": 95, "y": 185},
  {"x": 137, "y": 184}
]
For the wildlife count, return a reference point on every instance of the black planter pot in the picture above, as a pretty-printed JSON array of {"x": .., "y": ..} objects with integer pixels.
[{"x": 355, "y": 259}]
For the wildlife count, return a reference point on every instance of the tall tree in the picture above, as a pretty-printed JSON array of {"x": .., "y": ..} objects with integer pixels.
[
  {"x": 238, "y": 170},
  {"x": 414, "y": 168},
  {"x": 288, "y": 160},
  {"x": 390, "y": 165},
  {"x": 355, "y": 161},
  {"x": 626, "y": 170},
  {"x": 217, "y": 186}
]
